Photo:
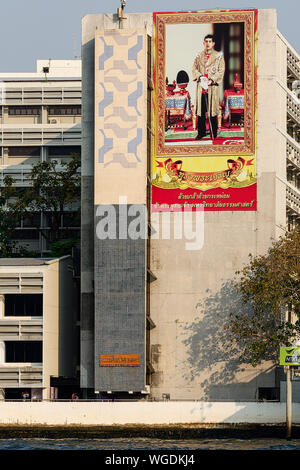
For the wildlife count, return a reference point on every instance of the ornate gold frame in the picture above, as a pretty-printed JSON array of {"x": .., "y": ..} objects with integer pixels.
[{"x": 249, "y": 18}]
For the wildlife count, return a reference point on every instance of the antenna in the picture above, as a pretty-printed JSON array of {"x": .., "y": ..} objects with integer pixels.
[
  {"x": 46, "y": 70},
  {"x": 74, "y": 47},
  {"x": 120, "y": 12}
]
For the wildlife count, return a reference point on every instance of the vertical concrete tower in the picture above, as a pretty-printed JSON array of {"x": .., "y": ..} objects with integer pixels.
[{"x": 114, "y": 287}]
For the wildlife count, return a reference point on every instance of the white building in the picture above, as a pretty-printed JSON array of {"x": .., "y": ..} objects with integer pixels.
[
  {"x": 40, "y": 120},
  {"x": 38, "y": 326}
]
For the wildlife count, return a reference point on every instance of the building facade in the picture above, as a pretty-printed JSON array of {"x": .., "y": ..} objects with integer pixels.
[
  {"x": 153, "y": 312},
  {"x": 40, "y": 121},
  {"x": 38, "y": 327}
]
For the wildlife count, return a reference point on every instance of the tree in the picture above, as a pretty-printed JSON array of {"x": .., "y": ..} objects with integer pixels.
[
  {"x": 11, "y": 211},
  {"x": 270, "y": 290},
  {"x": 52, "y": 192}
]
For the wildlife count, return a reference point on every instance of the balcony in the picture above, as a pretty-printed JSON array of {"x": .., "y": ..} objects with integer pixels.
[
  {"x": 292, "y": 200},
  {"x": 13, "y": 376},
  {"x": 293, "y": 109},
  {"x": 21, "y": 283},
  {"x": 293, "y": 63},
  {"x": 293, "y": 152},
  {"x": 26, "y": 330},
  {"x": 40, "y": 134},
  {"x": 40, "y": 95}
]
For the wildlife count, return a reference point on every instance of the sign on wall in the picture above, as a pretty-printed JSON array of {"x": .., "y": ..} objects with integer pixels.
[
  {"x": 289, "y": 356},
  {"x": 119, "y": 360},
  {"x": 205, "y": 110}
]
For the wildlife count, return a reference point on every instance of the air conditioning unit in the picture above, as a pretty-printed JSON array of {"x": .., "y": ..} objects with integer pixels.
[{"x": 53, "y": 121}]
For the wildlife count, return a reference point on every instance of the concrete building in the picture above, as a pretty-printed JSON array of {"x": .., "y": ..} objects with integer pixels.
[
  {"x": 40, "y": 120},
  {"x": 38, "y": 327},
  {"x": 152, "y": 301}
]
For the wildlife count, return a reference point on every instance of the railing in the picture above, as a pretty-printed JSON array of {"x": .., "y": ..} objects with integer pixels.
[
  {"x": 293, "y": 199},
  {"x": 27, "y": 376},
  {"x": 40, "y": 134},
  {"x": 293, "y": 108},
  {"x": 40, "y": 95},
  {"x": 119, "y": 400},
  {"x": 293, "y": 153},
  {"x": 21, "y": 329},
  {"x": 292, "y": 63}
]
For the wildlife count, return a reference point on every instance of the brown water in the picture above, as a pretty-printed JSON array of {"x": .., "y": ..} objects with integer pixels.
[{"x": 150, "y": 444}]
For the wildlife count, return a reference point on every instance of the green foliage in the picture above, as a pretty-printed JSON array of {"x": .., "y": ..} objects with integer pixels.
[
  {"x": 52, "y": 191},
  {"x": 270, "y": 290},
  {"x": 11, "y": 211},
  {"x": 62, "y": 248}
]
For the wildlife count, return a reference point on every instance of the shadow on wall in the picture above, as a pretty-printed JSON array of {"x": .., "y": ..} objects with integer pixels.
[{"x": 210, "y": 353}]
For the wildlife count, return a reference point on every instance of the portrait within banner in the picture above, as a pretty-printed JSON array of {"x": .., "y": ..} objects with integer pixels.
[{"x": 205, "y": 110}]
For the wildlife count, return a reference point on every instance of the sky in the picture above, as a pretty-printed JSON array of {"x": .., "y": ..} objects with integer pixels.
[{"x": 51, "y": 29}]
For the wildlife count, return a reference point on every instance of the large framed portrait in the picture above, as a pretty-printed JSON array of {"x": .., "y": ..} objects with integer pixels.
[{"x": 205, "y": 101}]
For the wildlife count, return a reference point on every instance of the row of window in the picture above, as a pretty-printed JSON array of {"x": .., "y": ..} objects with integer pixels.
[
  {"x": 68, "y": 219},
  {"x": 62, "y": 110},
  {"x": 23, "y": 305},
  {"x": 24, "y": 351},
  {"x": 31, "y": 151},
  {"x": 33, "y": 234}
]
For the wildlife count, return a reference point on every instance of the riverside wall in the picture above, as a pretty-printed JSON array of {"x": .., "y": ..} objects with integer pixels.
[{"x": 144, "y": 413}]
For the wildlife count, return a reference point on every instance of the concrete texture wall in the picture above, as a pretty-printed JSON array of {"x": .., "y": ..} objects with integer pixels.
[
  {"x": 102, "y": 183},
  {"x": 87, "y": 212},
  {"x": 120, "y": 172},
  {"x": 50, "y": 325},
  {"x": 68, "y": 354},
  {"x": 113, "y": 413},
  {"x": 120, "y": 309}
]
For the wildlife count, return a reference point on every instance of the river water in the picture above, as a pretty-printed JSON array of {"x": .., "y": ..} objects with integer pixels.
[{"x": 149, "y": 444}]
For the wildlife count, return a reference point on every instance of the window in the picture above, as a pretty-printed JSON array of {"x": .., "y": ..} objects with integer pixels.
[
  {"x": 23, "y": 351},
  {"x": 269, "y": 393},
  {"x": 71, "y": 219},
  {"x": 24, "y": 151},
  {"x": 20, "y": 305},
  {"x": 25, "y": 234},
  {"x": 24, "y": 111},
  {"x": 70, "y": 110},
  {"x": 63, "y": 150},
  {"x": 33, "y": 219}
]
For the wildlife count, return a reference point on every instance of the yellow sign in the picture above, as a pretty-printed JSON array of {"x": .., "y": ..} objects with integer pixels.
[{"x": 119, "y": 360}]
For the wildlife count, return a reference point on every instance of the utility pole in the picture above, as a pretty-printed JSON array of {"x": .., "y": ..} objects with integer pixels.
[
  {"x": 288, "y": 403},
  {"x": 289, "y": 358}
]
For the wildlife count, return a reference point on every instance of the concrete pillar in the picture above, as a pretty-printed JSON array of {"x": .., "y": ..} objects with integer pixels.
[
  {"x": 2, "y": 305},
  {"x": 2, "y": 352},
  {"x": 5, "y": 115},
  {"x": 44, "y": 115}
]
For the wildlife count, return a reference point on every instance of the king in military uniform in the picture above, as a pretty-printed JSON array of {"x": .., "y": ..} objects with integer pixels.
[{"x": 208, "y": 72}]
